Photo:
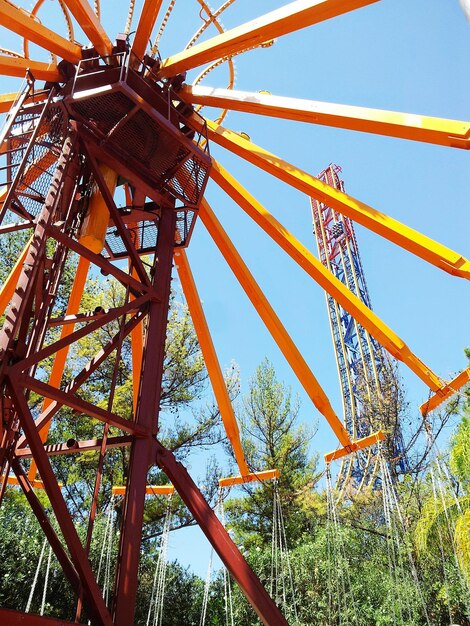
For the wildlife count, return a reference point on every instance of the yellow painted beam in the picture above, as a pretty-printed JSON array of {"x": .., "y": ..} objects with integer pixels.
[
  {"x": 6, "y": 101},
  {"x": 35, "y": 484},
  {"x": 137, "y": 333},
  {"x": 90, "y": 24},
  {"x": 252, "y": 477},
  {"x": 408, "y": 238},
  {"x": 137, "y": 348},
  {"x": 359, "y": 444},
  {"x": 210, "y": 357},
  {"x": 19, "y": 22},
  {"x": 14, "y": 66},
  {"x": 272, "y": 322},
  {"x": 277, "y": 23},
  {"x": 445, "y": 392},
  {"x": 150, "y": 490},
  {"x": 9, "y": 286},
  {"x": 453, "y": 133},
  {"x": 147, "y": 20},
  {"x": 96, "y": 221},
  {"x": 320, "y": 274}
]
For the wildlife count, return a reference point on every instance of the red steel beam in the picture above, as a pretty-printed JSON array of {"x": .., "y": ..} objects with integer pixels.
[
  {"x": 82, "y": 376},
  {"x": 78, "y": 334},
  {"x": 146, "y": 417},
  {"x": 15, "y": 618},
  {"x": 98, "y": 260},
  {"x": 78, "y": 318},
  {"x": 76, "y": 447},
  {"x": 13, "y": 228},
  {"x": 43, "y": 519},
  {"x": 31, "y": 267},
  {"x": 219, "y": 538},
  {"x": 95, "y": 603},
  {"x": 83, "y": 407},
  {"x": 116, "y": 217}
]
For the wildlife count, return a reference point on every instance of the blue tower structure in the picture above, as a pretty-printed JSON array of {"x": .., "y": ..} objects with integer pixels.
[{"x": 367, "y": 374}]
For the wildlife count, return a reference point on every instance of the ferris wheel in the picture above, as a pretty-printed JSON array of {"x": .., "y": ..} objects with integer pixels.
[{"x": 114, "y": 116}]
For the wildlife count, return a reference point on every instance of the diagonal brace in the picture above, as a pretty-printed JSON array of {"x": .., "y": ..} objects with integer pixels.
[{"x": 396, "y": 232}]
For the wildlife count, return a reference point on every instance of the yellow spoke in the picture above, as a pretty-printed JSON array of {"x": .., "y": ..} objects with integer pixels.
[
  {"x": 147, "y": 20},
  {"x": 272, "y": 322},
  {"x": 445, "y": 392},
  {"x": 408, "y": 238},
  {"x": 282, "y": 21},
  {"x": 6, "y": 101},
  {"x": 210, "y": 358},
  {"x": 90, "y": 24},
  {"x": 320, "y": 274},
  {"x": 19, "y": 22},
  {"x": 454, "y": 133},
  {"x": 11, "y": 66}
]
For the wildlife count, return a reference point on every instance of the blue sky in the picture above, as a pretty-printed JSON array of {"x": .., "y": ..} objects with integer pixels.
[{"x": 404, "y": 55}]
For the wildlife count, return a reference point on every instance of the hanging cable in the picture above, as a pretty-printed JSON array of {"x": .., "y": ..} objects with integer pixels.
[
  {"x": 397, "y": 529},
  {"x": 104, "y": 564},
  {"x": 344, "y": 594},
  {"x": 282, "y": 581},
  {"x": 46, "y": 581},
  {"x": 228, "y": 598},
  {"x": 207, "y": 586},
  {"x": 445, "y": 499},
  {"x": 36, "y": 575},
  {"x": 392, "y": 564},
  {"x": 159, "y": 580}
]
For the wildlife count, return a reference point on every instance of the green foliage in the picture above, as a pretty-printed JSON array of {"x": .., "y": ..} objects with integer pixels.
[
  {"x": 444, "y": 523},
  {"x": 272, "y": 438},
  {"x": 460, "y": 453}
]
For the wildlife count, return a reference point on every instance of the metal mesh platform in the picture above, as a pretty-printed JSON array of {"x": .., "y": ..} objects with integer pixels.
[{"x": 139, "y": 124}]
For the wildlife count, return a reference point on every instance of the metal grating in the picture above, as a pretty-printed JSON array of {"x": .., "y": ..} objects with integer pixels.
[
  {"x": 144, "y": 235},
  {"x": 184, "y": 225},
  {"x": 158, "y": 144},
  {"x": 104, "y": 112},
  {"x": 31, "y": 164}
]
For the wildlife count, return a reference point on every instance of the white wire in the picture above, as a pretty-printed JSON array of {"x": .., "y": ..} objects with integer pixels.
[
  {"x": 46, "y": 581},
  {"x": 107, "y": 577},
  {"x": 159, "y": 581},
  {"x": 36, "y": 575},
  {"x": 207, "y": 585}
]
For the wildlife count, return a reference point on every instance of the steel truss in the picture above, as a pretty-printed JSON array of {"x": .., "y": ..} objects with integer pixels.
[
  {"x": 112, "y": 113},
  {"x": 366, "y": 372},
  {"x": 58, "y": 148}
]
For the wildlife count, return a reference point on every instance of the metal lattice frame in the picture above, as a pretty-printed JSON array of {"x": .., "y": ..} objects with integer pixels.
[
  {"x": 365, "y": 370},
  {"x": 62, "y": 163}
]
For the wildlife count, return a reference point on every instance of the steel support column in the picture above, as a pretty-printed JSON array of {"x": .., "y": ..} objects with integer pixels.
[{"x": 146, "y": 416}]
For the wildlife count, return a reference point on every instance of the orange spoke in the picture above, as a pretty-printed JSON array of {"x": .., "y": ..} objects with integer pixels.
[
  {"x": 11, "y": 66},
  {"x": 287, "y": 19},
  {"x": 332, "y": 285},
  {"x": 19, "y": 22},
  {"x": 147, "y": 20},
  {"x": 444, "y": 132},
  {"x": 6, "y": 101},
  {"x": 210, "y": 358},
  {"x": 90, "y": 24},
  {"x": 272, "y": 322},
  {"x": 404, "y": 236}
]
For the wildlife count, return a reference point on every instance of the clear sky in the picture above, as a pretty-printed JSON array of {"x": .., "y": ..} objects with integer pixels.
[{"x": 404, "y": 55}]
